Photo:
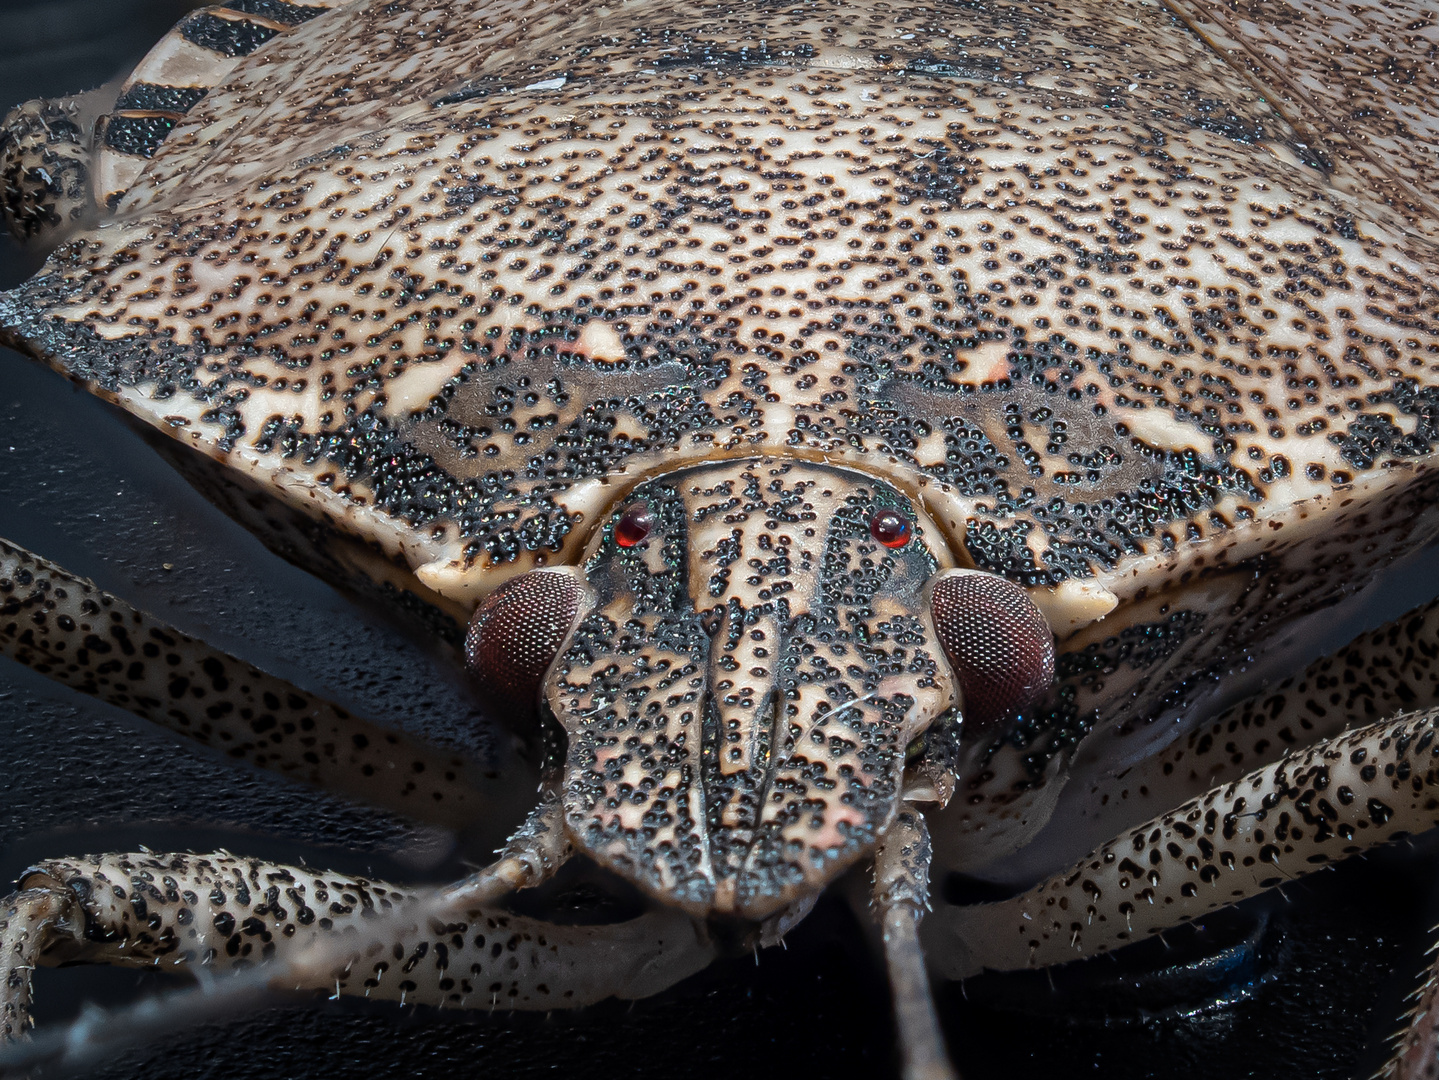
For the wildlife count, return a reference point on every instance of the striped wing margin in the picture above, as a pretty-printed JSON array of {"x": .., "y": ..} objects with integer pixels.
[{"x": 181, "y": 69}]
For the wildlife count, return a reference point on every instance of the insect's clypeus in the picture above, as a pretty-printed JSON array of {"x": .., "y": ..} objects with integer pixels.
[{"x": 799, "y": 373}]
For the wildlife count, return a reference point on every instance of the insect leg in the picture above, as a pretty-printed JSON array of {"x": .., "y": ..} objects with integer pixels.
[
  {"x": 32, "y": 920},
  {"x": 297, "y": 928},
  {"x": 901, "y": 897},
  {"x": 1383, "y": 672},
  {"x": 1315, "y": 806},
  {"x": 537, "y": 849},
  {"x": 1415, "y": 1047},
  {"x": 64, "y": 627}
]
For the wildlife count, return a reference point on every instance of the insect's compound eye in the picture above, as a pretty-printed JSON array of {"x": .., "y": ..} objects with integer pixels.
[
  {"x": 997, "y": 642},
  {"x": 634, "y": 524},
  {"x": 890, "y": 528},
  {"x": 516, "y": 632}
]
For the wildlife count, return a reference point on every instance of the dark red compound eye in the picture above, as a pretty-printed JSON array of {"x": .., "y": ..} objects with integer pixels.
[
  {"x": 517, "y": 631},
  {"x": 890, "y": 528},
  {"x": 998, "y": 643},
  {"x": 634, "y": 525}
]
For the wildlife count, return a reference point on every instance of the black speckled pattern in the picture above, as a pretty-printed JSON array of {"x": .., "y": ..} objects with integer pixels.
[
  {"x": 740, "y": 696},
  {"x": 1218, "y": 427}
]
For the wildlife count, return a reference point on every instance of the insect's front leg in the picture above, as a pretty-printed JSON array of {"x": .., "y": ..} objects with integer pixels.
[
  {"x": 1324, "y": 781},
  {"x": 531, "y": 856},
  {"x": 315, "y": 930}
]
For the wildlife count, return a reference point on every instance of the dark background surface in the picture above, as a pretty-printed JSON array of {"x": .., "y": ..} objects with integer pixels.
[{"x": 80, "y": 487}]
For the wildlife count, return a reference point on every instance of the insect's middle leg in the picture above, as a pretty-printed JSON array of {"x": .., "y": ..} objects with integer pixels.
[
  {"x": 63, "y": 627},
  {"x": 1314, "y": 807}
]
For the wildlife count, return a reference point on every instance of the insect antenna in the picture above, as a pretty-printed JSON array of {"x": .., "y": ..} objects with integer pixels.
[{"x": 901, "y": 897}]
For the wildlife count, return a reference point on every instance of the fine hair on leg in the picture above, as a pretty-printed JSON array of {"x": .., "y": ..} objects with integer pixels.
[
  {"x": 274, "y": 927},
  {"x": 1312, "y": 808}
]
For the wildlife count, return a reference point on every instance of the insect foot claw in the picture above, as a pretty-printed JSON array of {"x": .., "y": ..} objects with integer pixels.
[{"x": 33, "y": 920}]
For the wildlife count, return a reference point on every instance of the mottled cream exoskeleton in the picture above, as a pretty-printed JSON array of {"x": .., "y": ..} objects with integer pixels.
[{"x": 818, "y": 421}]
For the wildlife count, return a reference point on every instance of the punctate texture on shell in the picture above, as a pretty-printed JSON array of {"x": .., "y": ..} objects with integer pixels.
[
  {"x": 1142, "y": 318},
  {"x": 739, "y": 699},
  {"x": 449, "y": 268}
]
